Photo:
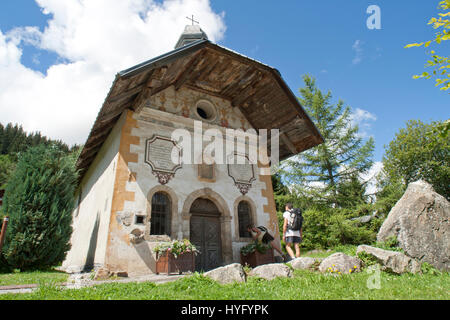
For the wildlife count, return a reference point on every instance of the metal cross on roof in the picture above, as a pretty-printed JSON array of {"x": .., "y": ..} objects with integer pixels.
[{"x": 192, "y": 19}]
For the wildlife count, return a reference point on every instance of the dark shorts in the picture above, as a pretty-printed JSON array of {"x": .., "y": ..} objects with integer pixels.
[
  {"x": 267, "y": 237},
  {"x": 293, "y": 240}
]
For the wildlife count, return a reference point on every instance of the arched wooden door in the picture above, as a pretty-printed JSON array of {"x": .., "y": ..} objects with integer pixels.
[{"x": 205, "y": 234}]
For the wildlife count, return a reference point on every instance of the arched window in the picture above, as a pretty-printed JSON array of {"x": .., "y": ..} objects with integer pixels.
[
  {"x": 161, "y": 211},
  {"x": 244, "y": 216}
]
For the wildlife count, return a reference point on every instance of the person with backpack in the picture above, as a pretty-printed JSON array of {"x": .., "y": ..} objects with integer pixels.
[
  {"x": 292, "y": 230},
  {"x": 261, "y": 234}
]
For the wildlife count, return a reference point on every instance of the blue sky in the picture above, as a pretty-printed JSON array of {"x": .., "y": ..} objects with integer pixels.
[{"x": 369, "y": 69}]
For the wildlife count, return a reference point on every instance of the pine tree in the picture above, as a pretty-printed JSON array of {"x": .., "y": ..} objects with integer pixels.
[
  {"x": 316, "y": 173},
  {"x": 7, "y": 166},
  {"x": 39, "y": 201}
]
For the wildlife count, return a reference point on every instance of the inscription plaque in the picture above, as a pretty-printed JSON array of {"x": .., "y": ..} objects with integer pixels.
[
  {"x": 164, "y": 157},
  {"x": 243, "y": 174}
]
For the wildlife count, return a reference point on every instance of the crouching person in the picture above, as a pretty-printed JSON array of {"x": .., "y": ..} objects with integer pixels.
[{"x": 261, "y": 234}]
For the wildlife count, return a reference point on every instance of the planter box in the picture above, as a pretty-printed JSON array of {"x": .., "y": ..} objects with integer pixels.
[
  {"x": 256, "y": 258},
  {"x": 167, "y": 263}
]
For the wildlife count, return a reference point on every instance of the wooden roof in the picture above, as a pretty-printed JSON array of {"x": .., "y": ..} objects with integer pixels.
[{"x": 255, "y": 88}]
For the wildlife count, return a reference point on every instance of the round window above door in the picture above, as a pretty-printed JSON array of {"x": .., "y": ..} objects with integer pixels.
[{"x": 205, "y": 110}]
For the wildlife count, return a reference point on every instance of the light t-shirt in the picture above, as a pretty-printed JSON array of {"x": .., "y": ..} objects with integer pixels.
[
  {"x": 261, "y": 235},
  {"x": 290, "y": 233}
]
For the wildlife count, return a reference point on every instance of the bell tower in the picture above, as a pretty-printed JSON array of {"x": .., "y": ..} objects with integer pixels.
[{"x": 190, "y": 34}]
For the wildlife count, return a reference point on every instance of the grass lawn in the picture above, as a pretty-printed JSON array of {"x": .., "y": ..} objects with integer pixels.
[
  {"x": 36, "y": 277},
  {"x": 304, "y": 285}
]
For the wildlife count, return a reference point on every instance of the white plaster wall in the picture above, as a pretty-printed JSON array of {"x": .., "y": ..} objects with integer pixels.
[{"x": 97, "y": 190}]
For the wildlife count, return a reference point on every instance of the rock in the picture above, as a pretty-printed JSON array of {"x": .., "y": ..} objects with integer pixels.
[
  {"x": 392, "y": 261},
  {"x": 228, "y": 274},
  {"x": 102, "y": 274},
  {"x": 272, "y": 271},
  {"x": 120, "y": 274},
  {"x": 340, "y": 262},
  {"x": 363, "y": 219},
  {"x": 302, "y": 263},
  {"x": 421, "y": 223}
]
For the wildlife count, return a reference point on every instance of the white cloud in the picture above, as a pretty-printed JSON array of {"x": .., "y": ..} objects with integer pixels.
[
  {"x": 357, "y": 47},
  {"x": 370, "y": 177},
  {"x": 96, "y": 38},
  {"x": 363, "y": 119}
]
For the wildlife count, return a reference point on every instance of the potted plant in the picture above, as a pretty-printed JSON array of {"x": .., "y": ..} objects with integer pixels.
[
  {"x": 177, "y": 256},
  {"x": 256, "y": 253}
]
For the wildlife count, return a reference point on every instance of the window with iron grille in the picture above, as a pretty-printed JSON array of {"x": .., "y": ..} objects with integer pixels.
[
  {"x": 161, "y": 210},
  {"x": 244, "y": 217}
]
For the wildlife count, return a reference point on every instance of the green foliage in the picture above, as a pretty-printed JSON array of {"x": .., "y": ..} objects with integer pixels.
[
  {"x": 13, "y": 140},
  {"x": 351, "y": 192},
  {"x": 427, "y": 268},
  {"x": 39, "y": 201},
  {"x": 326, "y": 228},
  {"x": 315, "y": 229},
  {"x": 390, "y": 243},
  {"x": 367, "y": 259},
  {"x": 416, "y": 154},
  {"x": 441, "y": 64},
  {"x": 316, "y": 173},
  {"x": 389, "y": 194},
  {"x": 255, "y": 246},
  {"x": 7, "y": 166},
  {"x": 345, "y": 231}
]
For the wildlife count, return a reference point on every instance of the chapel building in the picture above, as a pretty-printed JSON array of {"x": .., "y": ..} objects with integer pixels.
[{"x": 134, "y": 189}]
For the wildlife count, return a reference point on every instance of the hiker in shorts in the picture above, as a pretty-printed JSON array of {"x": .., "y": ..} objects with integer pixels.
[
  {"x": 291, "y": 236},
  {"x": 261, "y": 234}
]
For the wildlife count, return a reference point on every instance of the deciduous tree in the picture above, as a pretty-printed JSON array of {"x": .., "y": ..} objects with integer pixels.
[
  {"x": 418, "y": 152},
  {"x": 440, "y": 63}
]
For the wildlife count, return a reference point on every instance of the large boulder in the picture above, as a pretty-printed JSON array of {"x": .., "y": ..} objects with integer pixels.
[
  {"x": 340, "y": 262},
  {"x": 227, "y": 274},
  {"x": 272, "y": 271},
  {"x": 421, "y": 223},
  {"x": 392, "y": 261}
]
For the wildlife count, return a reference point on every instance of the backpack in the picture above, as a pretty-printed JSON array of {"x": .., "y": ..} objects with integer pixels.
[
  {"x": 296, "y": 220},
  {"x": 262, "y": 228}
]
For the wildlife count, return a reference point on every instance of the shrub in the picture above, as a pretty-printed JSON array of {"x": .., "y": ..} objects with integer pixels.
[
  {"x": 367, "y": 259},
  {"x": 39, "y": 201},
  {"x": 345, "y": 231},
  {"x": 255, "y": 246},
  {"x": 315, "y": 229},
  {"x": 325, "y": 228}
]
